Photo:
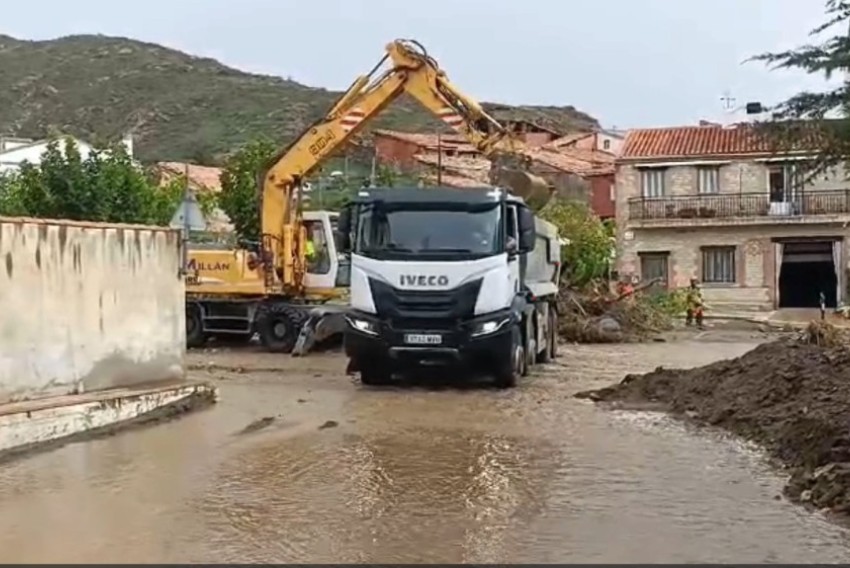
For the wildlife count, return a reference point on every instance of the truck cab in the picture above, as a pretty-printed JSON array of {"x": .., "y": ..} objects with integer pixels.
[{"x": 436, "y": 279}]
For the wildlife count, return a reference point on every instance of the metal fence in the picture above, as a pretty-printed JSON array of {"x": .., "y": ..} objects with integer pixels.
[{"x": 740, "y": 205}]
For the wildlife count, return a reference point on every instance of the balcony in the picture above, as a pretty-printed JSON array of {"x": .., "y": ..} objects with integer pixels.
[{"x": 739, "y": 208}]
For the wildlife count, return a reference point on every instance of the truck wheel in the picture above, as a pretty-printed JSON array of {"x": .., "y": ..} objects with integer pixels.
[
  {"x": 375, "y": 375},
  {"x": 530, "y": 351},
  {"x": 278, "y": 326},
  {"x": 507, "y": 377},
  {"x": 195, "y": 336},
  {"x": 546, "y": 355}
]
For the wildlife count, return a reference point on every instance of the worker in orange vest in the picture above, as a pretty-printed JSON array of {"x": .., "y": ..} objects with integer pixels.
[{"x": 694, "y": 305}]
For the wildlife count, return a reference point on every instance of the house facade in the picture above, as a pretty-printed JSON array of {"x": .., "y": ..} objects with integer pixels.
[
  {"x": 716, "y": 204},
  {"x": 608, "y": 141}
]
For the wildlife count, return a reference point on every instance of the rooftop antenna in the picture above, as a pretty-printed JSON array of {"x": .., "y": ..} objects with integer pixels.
[
  {"x": 728, "y": 101},
  {"x": 729, "y": 109}
]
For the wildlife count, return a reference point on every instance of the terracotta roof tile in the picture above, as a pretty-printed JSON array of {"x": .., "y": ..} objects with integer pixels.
[
  {"x": 430, "y": 141},
  {"x": 576, "y": 161},
  {"x": 454, "y": 181},
  {"x": 477, "y": 168},
  {"x": 707, "y": 141},
  {"x": 568, "y": 140},
  {"x": 199, "y": 176}
]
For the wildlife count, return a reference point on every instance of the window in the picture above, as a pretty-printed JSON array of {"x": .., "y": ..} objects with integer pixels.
[
  {"x": 784, "y": 182},
  {"x": 320, "y": 262},
  {"x": 606, "y": 144},
  {"x": 708, "y": 179},
  {"x": 654, "y": 265},
  {"x": 390, "y": 230},
  {"x": 652, "y": 182},
  {"x": 718, "y": 265}
]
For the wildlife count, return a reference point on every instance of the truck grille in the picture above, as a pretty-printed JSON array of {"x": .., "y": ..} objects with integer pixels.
[{"x": 411, "y": 309}]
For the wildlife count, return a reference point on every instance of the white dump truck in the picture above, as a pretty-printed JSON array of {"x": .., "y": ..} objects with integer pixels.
[{"x": 444, "y": 276}]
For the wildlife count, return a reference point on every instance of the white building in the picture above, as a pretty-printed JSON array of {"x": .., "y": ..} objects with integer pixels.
[{"x": 16, "y": 151}]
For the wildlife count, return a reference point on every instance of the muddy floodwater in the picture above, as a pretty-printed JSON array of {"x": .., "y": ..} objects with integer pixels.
[{"x": 340, "y": 473}]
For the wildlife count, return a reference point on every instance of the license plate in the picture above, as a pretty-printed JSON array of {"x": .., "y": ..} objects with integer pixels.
[{"x": 423, "y": 338}]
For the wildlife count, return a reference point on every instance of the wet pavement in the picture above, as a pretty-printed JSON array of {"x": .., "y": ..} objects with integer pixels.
[{"x": 340, "y": 473}]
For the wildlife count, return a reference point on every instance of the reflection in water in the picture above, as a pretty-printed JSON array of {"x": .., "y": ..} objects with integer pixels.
[{"x": 365, "y": 499}]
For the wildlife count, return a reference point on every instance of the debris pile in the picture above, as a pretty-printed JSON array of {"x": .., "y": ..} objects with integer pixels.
[
  {"x": 595, "y": 314},
  {"x": 792, "y": 396}
]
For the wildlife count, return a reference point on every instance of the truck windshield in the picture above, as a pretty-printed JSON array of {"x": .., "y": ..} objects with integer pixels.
[{"x": 396, "y": 231}]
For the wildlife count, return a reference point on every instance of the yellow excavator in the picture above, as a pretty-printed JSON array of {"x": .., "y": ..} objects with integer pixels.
[{"x": 271, "y": 287}]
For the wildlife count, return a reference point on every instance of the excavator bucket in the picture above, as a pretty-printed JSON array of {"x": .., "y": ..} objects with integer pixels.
[
  {"x": 536, "y": 192},
  {"x": 322, "y": 323}
]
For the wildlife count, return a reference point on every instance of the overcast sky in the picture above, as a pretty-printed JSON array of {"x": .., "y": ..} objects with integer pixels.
[{"x": 629, "y": 63}]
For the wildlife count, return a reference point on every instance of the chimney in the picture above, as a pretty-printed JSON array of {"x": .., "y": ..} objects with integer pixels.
[{"x": 128, "y": 143}]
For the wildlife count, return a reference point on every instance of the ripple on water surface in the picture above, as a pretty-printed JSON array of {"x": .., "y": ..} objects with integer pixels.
[{"x": 412, "y": 495}]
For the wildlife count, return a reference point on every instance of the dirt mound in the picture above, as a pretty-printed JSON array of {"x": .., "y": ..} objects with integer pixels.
[
  {"x": 792, "y": 396},
  {"x": 597, "y": 315}
]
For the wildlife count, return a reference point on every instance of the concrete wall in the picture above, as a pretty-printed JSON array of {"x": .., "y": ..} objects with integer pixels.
[{"x": 87, "y": 307}]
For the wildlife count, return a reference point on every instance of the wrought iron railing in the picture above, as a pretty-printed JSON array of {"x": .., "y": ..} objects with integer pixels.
[{"x": 740, "y": 205}]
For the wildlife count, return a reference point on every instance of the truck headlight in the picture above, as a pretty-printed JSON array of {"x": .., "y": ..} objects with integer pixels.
[
  {"x": 362, "y": 325},
  {"x": 488, "y": 327}
]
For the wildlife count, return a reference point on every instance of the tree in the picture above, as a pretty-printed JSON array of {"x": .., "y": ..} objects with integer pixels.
[
  {"x": 805, "y": 117},
  {"x": 239, "y": 197},
  {"x": 106, "y": 186},
  {"x": 588, "y": 255}
]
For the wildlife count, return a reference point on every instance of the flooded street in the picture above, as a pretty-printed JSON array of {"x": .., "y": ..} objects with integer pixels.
[{"x": 348, "y": 474}]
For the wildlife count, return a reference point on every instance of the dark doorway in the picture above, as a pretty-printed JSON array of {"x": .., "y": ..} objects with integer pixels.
[{"x": 807, "y": 270}]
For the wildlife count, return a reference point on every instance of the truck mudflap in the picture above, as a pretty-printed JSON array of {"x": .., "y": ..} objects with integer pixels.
[{"x": 323, "y": 322}]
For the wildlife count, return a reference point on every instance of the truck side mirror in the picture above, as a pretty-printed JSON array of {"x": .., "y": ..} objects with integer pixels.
[
  {"x": 343, "y": 230},
  {"x": 527, "y": 230}
]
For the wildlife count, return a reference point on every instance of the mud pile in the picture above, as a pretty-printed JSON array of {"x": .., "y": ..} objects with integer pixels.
[{"x": 792, "y": 396}]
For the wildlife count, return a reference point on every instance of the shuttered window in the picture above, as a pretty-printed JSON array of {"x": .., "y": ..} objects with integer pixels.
[
  {"x": 718, "y": 265},
  {"x": 652, "y": 182},
  {"x": 708, "y": 179},
  {"x": 655, "y": 266}
]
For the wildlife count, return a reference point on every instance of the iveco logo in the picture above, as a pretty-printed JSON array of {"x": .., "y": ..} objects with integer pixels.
[{"x": 423, "y": 280}]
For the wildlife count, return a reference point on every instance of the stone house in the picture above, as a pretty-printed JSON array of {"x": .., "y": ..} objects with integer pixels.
[{"x": 715, "y": 203}]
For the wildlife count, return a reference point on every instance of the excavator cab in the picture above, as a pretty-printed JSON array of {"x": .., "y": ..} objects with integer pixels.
[{"x": 323, "y": 265}]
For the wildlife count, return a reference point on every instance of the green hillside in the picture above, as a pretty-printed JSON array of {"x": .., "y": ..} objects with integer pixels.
[{"x": 179, "y": 107}]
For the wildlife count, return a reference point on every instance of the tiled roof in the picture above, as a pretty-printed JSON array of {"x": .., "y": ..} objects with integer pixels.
[
  {"x": 576, "y": 161},
  {"x": 475, "y": 168},
  {"x": 707, "y": 141},
  {"x": 568, "y": 140},
  {"x": 454, "y": 181},
  {"x": 573, "y": 160},
  {"x": 200, "y": 176},
  {"x": 429, "y": 141}
]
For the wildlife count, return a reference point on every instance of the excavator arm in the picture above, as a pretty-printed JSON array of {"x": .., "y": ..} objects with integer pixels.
[
  {"x": 507, "y": 154},
  {"x": 412, "y": 71}
]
